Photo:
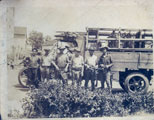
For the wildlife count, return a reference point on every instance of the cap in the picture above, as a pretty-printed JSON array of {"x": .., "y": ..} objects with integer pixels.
[{"x": 34, "y": 50}]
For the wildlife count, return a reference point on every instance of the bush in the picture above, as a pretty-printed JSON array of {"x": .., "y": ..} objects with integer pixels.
[{"x": 52, "y": 100}]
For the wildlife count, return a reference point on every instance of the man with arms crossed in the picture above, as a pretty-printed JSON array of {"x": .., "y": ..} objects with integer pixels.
[{"x": 105, "y": 63}]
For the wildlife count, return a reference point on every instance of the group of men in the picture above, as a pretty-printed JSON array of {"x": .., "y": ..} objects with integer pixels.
[
  {"x": 69, "y": 64},
  {"x": 102, "y": 65}
]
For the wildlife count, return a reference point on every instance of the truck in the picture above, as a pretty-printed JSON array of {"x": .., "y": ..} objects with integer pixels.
[{"x": 131, "y": 51}]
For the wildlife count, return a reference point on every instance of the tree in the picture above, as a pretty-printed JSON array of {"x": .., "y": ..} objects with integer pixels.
[
  {"x": 47, "y": 38},
  {"x": 35, "y": 39}
]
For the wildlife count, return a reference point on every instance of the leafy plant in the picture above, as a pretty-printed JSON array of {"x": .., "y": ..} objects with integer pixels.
[{"x": 53, "y": 100}]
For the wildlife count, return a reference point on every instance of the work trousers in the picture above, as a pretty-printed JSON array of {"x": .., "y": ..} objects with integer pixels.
[
  {"x": 63, "y": 75},
  {"x": 76, "y": 75},
  {"x": 90, "y": 75},
  {"x": 45, "y": 72},
  {"x": 35, "y": 76},
  {"x": 106, "y": 77}
]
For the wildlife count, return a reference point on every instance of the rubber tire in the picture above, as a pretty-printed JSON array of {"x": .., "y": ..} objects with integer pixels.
[
  {"x": 21, "y": 71},
  {"x": 139, "y": 75}
]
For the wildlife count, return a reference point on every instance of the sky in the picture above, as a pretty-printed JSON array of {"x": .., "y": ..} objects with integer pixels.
[{"x": 49, "y": 16}]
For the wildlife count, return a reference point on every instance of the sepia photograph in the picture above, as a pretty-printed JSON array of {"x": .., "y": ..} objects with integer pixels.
[{"x": 77, "y": 59}]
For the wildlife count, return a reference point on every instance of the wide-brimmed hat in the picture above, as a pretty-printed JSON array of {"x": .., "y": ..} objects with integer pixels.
[
  {"x": 71, "y": 49},
  {"x": 104, "y": 47},
  {"x": 61, "y": 47},
  {"x": 47, "y": 50},
  {"x": 91, "y": 50},
  {"x": 77, "y": 49}
]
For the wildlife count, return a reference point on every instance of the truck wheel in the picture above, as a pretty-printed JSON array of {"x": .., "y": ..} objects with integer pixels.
[{"x": 136, "y": 83}]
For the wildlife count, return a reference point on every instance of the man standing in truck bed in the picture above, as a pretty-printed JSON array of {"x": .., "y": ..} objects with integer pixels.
[{"x": 105, "y": 64}]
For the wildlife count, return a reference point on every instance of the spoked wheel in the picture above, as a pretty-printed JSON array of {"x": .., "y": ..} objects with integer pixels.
[
  {"x": 23, "y": 78},
  {"x": 136, "y": 83}
]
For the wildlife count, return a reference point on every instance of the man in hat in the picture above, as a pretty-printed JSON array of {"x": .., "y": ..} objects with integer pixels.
[
  {"x": 35, "y": 67},
  {"x": 69, "y": 52},
  {"x": 61, "y": 64},
  {"x": 45, "y": 67},
  {"x": 105, "y": 64},
  {"x": 77, "y": 67},
  {"x": 90, "y": 64}
]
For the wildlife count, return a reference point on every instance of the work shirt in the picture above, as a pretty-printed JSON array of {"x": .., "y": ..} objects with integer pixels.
[
  {"x": 46, "y": 61},
  {"x": 35, "y": 61},
  {"x": 91, "y": 60},
  {"x": 77, "y": 62},
  {"x": 70, "y": 55},
  {"x": 62, "y": 60},
  {"x": 105, "y": 60}
]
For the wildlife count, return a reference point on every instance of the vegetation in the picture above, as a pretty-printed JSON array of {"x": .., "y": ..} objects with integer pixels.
[
  {"x": 52, "y": 100},
  {"x": 35, "y": 39}
]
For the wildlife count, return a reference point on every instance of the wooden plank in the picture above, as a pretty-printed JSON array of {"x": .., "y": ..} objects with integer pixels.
[
  {"x": 92, "y": 41},
  {"x": 121, "y": 29},
  {"x": 132, "y": 39},
  {"x": 127, "y": 39},
  {"x": 131, "y": 49}
]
